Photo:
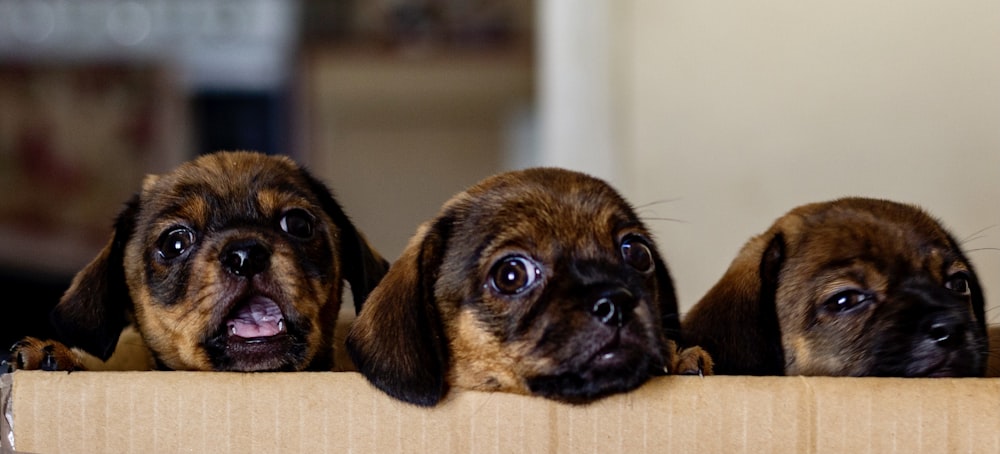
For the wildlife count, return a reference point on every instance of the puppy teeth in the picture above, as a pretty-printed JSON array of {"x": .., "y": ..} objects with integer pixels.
[{"x": 281, "y": 325}]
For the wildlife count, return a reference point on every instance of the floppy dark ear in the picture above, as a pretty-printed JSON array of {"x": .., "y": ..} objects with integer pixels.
[
  {"x": 398, "y": 341},
  {"x": 93, "y": 312},
  {"x": 669, "y": 315},
  {"x": 979, "y": 310},
  {"x": 736, "y": 321},
  {"x": 978, "y": 301},
  {"x": 363, "y": 267},
  {"x": 978, "y": 298}
]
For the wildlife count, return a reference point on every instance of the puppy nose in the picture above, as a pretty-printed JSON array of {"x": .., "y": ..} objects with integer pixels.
[
  {"x": 245, "y": 259},
  {"x": 613, "y": 307}
]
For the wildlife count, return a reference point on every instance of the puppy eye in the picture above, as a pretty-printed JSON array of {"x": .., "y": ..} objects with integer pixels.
[
  {"x": 173, "y": 243},
  {"x": 846, "y": 301},
  {"x": 514, "y": 275},
  {"x": 297, "y": 223},
  {"x": 637, "y": 254},
  {"x": 959, "y": 283}
]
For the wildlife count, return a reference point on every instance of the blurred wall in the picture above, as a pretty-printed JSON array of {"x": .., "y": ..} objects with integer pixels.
[
  {"x": 396, "y": 137},
  {"x": 726, "y": 114}
]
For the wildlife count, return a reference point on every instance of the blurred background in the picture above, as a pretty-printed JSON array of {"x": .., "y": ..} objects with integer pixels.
[{"x": 712, "y": 117}]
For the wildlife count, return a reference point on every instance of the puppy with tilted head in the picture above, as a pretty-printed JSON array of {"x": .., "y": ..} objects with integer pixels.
[
  {"x": 541, "y": 281},
  {"x": 855, "y": 287},
  {"x": 235, "y": 261}
]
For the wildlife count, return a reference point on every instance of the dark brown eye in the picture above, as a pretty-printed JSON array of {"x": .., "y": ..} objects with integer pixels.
[
  {"x": 174, "y": 242},
  {"x": 297, "y": 223},
  {"x": 958, "y": 283},
  {"x": 637, "y": 255},
  {"x": 513, "y": 275},
  {"x": 846, "y": 301}
]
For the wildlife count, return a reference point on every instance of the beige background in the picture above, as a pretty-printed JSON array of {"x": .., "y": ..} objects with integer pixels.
[
  {"x": 721, "y": 115},
  {"x": 741, "y": 110}
]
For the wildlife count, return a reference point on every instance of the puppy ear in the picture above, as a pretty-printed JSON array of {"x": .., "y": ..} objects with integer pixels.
[
  {"x": 978, "y": 299},
  {"x": 669, "y": 314},
  {"x": 736, "y": 321},
  {"x": 363, "y": 267},
  {"x": 398, "y": 341},
  {"x": 93, "y": 312}
]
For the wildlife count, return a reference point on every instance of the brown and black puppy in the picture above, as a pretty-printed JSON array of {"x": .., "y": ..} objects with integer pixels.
[
  {"x": 854, "y": 287},
  {"x": 234, "y": 261},
  {"x": 542, "y": 281}
]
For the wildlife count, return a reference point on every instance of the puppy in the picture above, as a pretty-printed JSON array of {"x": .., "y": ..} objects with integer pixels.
[
  {"x": 234, "y": 261},
  {"x": 854, "y": 287},
  {"x": 542, "y": 281}
]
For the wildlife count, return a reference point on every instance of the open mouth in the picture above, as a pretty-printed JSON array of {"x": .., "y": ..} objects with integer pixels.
[
  {"x": 256, "y": 335},
  {"x": 258, "y": 317}
]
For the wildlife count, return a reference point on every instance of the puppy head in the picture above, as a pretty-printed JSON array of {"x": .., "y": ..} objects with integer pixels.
[
  {"x": 849, "y": 287},
  {"x": 540, "y": 282},
  {"x": 233, "y": 261}
]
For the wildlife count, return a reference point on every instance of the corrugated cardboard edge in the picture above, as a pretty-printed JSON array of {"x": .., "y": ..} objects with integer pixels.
[{"x": 340, "y": 412}]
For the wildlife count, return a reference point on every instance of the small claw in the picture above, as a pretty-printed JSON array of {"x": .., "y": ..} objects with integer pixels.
[
  {"x": 17, "y": 345},
  {"x": 49, "y": 363}
]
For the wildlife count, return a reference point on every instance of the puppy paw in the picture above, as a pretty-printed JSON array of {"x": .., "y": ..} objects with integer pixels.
[
  {"x": 692, "y": 361},
  {"x": 36, "y": 354}
]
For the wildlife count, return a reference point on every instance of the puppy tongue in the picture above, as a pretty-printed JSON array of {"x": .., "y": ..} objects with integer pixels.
[{"x": 258, "y": 317}]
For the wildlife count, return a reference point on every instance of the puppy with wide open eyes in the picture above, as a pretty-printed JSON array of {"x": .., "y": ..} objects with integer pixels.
[
  {"x": 854, "y": 287},
  {"x": 541, "y": 281},
  {"x": 235, "y": 261}
]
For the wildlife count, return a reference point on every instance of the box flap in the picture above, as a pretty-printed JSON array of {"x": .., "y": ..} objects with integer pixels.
[{"x": 312, "y": 412}]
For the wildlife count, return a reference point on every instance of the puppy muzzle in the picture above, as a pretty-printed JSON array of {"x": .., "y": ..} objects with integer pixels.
[
  {"x": 942, "y": 317},
  {"x": 257, "y": 331},
  {"x": 944, "y": 337}
]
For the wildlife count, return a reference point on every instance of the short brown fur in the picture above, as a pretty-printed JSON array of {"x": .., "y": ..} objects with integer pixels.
[
  {"x": 853, "y": 286},
  {"x": 439, "y": 320},
  {"x": 263, "y": 250}
]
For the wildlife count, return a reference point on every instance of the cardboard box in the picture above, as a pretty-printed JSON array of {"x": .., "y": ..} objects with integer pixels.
[{"x": 160, "y": 412}]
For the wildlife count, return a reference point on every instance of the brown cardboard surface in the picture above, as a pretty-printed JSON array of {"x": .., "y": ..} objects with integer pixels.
[{"x": 340, "y": 412}]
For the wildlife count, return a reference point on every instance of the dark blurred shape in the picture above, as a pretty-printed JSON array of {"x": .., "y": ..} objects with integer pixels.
[
  {"x": 29, "y": 298},
  {"x": 408, "y": 25},
  {"x": 242, "y": 120}
]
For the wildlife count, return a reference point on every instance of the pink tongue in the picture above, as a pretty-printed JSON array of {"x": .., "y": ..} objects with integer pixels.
[{"x": 259, "y": 317}]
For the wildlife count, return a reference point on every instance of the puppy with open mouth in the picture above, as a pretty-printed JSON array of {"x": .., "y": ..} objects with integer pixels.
[
  {"x": 541, "y": 281},
  {"x": 234, "y": 261},
  {"x": 854, "y": 286}
]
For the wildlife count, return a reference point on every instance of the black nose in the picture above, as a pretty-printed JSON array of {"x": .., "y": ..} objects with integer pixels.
[
  {"x": 945, "y": 330},
  {"x": 245, "y": 258},
  {"x": 613, "y": 307}
]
